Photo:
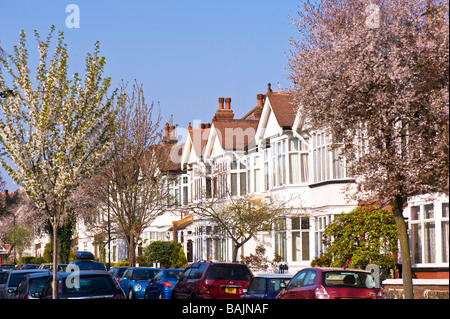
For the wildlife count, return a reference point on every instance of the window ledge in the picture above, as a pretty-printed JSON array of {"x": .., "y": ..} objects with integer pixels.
[{"x": 332, "y": 181}]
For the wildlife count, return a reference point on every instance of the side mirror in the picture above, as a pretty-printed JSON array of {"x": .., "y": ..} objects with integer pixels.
[
  {"x": 11, "y": 290},
  {"x": 244, "y": 291},
  {"x": 35, "y": 295},
  {"x": 283, "y": 285}
]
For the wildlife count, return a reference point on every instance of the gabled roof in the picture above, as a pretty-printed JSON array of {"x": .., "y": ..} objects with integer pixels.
[
  {"x": 172, "y": 153},
  {"x": 199, "y": 137},
  {"x": 283, "y": 107},
  {"x": 235, "y": 134},
  {"x": 195, "y": 143}
]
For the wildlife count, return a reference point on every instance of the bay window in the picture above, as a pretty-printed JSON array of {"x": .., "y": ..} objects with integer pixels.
[
  {"x": 429, "y": 238},
  {"x": 298, "y": 161},
  {"x": 327, "y": 163},
  {"x": 300, "y": 238}
]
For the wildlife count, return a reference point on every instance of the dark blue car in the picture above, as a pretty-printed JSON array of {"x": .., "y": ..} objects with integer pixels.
[
  {"x": 266, "y": 286},
  {"x": 135, "y": 280},
  {"x": 161, "y": 286}
]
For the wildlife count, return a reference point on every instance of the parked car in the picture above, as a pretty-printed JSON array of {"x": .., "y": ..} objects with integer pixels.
[
  {"x": 212, "y": 280},
  {"x": 160, "y": 287},
  {"x": 7, "y": 266},
  {"x": 332, "y": 283},
  {"x": 118, "y": 272},
  {"x": 27, "y": 266},
  {"x": 135, "y": 280},
  {"x": 84, "y": 285},
  {"x": 266, "y": 286},
  {"x": 2, "y": 274},
  {"x": 11, "y": 280},
  {"x": 31, "y": 285},
  {"x": 84, "y": 260},
  {"x": 61, "y": 267}
]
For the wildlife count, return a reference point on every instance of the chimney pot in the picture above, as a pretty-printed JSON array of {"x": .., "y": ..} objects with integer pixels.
[
  {"x": 269, "y": 89},
  {"x": 220, "y": 103},
  {"x": 228, "y": 103},
  {"x": 167, "y": 129},
  {"x": 260, "y": 98}
]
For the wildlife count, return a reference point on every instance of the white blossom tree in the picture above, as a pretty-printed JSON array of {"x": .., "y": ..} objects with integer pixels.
[{"x": 54, "y": 130}]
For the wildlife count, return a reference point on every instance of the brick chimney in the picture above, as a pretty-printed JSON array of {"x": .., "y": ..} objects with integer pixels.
[
  {"x": 260, "y": 98},
  {"x": 167, "y": 130},
  {"x": 224, "y": 113},
  {"x": 228, "y": 103},
  {"x": 169, "y": 134},
  {"x": 269, "y": 89}
]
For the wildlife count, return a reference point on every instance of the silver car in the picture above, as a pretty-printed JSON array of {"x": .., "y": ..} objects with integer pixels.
[
  {"x": 11, "y": 280},
  {"x": 31, "y": 285}
]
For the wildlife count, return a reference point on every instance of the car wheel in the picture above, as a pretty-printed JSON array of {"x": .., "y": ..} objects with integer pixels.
[{"x": 130, "y": 294}]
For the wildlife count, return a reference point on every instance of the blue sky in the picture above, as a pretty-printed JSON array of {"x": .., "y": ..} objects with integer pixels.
[{"x": 185, "y": 53}]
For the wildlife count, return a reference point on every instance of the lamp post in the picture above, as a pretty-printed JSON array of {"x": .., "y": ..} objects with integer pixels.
[{"x": 109, "y": 235}]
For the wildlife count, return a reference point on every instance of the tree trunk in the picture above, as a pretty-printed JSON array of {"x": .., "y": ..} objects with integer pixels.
[
  {"x": 236, "y": 246},
  {"x": 55, "y": 260},
  {"x": 397, "y": 209},
  {"x": 131, "y": 251}
]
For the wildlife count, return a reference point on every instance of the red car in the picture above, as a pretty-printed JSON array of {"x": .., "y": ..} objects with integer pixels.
[
  {"x": 212, "y": 280},
  {"x": 332, "y": 283}
]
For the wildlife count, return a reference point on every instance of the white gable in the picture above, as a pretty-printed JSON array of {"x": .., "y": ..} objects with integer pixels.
[
  {"x": 272, "y": 126},
  {"x": 268, "y": 125},
  {"x": 213, "y": 147},
  {"x": 217, "y": 148},
  {"x": 192, "y": 156},
  {"x": 188, "y": 156}
]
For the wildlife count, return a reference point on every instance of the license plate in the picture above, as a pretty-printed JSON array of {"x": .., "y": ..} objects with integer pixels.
[{"x": 229, "y": 290}]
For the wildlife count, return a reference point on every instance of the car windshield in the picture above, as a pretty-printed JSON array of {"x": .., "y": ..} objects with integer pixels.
[
  {"x": 174, "y": 273},
  {"x": 275, "y": 284},
  {"x": 144, "y": 274},
  {"x": 258, "y": 286},
  {"x": 16, "y": 278},
  {"x": 86, "y": 285},
  {"x": 228, "y": 272},
  {"x": 347, "y": 279},
  {"x": 121, "y": 271},
  {"x": 37, "y": 284},
  {"x": 90, "y": 265}
]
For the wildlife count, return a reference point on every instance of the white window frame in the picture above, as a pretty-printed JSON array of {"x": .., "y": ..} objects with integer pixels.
[{"x": 419, "y": 241}]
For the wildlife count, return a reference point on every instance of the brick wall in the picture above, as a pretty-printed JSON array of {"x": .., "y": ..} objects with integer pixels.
[{"x": 423, "y": 288}]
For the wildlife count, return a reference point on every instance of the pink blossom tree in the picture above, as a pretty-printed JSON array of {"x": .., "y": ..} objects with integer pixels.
[{"x": 375, "y": 74}]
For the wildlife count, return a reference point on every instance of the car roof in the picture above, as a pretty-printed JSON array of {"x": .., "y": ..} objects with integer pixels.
[
  {"x": 83, "y": 272},
  {"x": 27, "y": 270},
  {"x": 208, "y": 262},
  {"x": 152, "y": 268},
  {"x": 172, "y": 269},
  {"x": 39, "y": 274},
  {"x": 274, "y": 276},
  {"x": 326, "y": 269}
]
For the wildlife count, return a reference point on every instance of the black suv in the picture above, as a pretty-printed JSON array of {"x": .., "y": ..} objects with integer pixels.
[{"x": 212, "y": 280}]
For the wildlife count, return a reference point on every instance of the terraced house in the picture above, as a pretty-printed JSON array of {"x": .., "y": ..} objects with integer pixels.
[
  {"x": 265, "y": 154},
  {"x": 269, "y": 153}
]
